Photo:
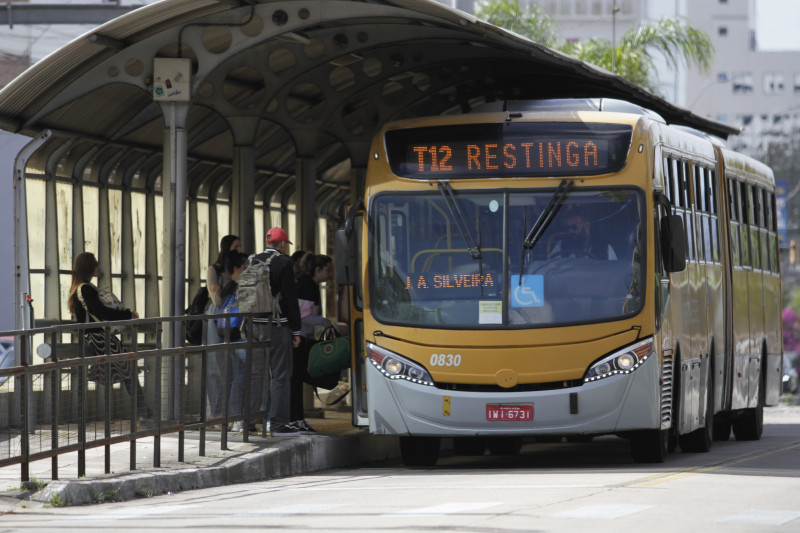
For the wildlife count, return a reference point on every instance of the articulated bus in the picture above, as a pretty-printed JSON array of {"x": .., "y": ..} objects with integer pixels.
[{"x": 561, "y": 269}]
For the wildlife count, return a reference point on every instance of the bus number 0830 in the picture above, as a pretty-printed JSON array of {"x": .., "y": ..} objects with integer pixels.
[{"x": 441, "y": 359}]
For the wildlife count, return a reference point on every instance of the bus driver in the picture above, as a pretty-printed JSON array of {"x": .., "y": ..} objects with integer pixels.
[{"x": 577, "y": 241}]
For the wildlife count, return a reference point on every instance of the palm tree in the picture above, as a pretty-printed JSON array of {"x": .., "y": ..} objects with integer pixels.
[{"x": 634, "y": 55}]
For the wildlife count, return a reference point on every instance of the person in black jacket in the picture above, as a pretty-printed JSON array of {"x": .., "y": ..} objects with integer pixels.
[
  {"x": 86, "y": 306},
  {"x": 285, "y": 336}
]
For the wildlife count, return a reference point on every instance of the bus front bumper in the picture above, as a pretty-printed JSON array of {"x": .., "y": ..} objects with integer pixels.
[{"x": 611, "y": 405}]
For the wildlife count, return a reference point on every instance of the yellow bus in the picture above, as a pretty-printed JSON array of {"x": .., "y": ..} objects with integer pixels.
[{"x": 561, "y": 269}]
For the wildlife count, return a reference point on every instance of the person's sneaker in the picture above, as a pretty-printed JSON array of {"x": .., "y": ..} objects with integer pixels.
[
  {"x": 304, "y": 428},
  {"x": 237, "y": 426},
  {"x": 286, "y": 430},
  {"x": 339, "y": 392}
]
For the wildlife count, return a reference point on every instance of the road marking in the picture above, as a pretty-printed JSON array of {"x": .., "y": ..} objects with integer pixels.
[
  {"x": 445, "y": 509},
  {"x": 603, "y": 512},
  {"x": 286, "y": 510},
  {"x": 671, "y": 476},
  {"x": 763, "y": 517},
  {"x": 129, "y": 513}
]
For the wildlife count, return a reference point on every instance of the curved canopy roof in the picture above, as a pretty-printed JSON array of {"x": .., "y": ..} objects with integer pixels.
[{"x": 292, "y": 78}]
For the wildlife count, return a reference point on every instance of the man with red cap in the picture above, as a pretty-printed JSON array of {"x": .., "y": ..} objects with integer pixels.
[{"x": 285, "y": 335}]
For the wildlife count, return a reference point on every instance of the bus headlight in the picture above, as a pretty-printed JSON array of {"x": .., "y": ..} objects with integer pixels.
[
  {"x": 394, "y": 366},
  {"x": 622, "y": 362}
]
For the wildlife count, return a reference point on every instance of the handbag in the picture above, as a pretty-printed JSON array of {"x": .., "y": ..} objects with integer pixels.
[
  {"x": 120, "y": 371},
  {"x": 330, "y": 354},
  {"x": 109, "y": 299}
]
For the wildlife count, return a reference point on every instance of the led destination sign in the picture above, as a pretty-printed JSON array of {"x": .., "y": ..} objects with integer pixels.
[{"x": 519, "y": 149}]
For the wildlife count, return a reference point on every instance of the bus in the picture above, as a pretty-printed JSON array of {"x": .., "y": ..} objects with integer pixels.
[{"x": 561, "y": 269}]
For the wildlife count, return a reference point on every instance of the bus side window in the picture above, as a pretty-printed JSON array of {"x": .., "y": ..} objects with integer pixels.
[
  {"x": 733, "y": 206},
  {"x": 703, "y": 254},
  {"x": 744, "y": 223}
]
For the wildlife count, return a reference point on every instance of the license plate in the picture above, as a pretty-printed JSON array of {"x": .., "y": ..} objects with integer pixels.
[{"x": 509, "y": 412}]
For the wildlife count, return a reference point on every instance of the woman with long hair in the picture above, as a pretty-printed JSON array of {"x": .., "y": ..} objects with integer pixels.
[
  {"x": 86, "y": 305},
  {"x": 217, "y": 277}
]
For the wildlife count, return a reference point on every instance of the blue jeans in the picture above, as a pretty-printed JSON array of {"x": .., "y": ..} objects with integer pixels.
[
  {"x": 238, "y": 369},
  {"x": 216, "y": 388}
]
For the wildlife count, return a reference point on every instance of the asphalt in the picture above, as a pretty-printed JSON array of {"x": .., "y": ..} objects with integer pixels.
[{"x": 338, "y": 444}]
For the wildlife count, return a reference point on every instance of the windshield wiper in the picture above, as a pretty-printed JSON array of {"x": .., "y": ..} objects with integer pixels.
[
  {"x": 545, "y": 218},
  {"x": 473, "y": 248}
]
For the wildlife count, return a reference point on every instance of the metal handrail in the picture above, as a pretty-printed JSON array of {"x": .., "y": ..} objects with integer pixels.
[{"x": 26, "y": 422}]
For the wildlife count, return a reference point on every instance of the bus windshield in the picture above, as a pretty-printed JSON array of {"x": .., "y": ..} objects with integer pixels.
[{"x": 449, "y": 258}]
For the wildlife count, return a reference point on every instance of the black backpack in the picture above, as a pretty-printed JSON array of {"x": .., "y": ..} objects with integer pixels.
[{"x": 194, "y": 328}]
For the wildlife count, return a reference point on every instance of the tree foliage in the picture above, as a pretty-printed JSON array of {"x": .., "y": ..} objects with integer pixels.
[{"x": 634, "y": 56}]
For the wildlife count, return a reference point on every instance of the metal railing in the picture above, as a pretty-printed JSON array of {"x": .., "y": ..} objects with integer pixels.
[{"x": 62, "y": 405}]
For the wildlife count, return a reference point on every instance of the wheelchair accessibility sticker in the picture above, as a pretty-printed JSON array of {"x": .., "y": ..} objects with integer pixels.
[{"x": 529, "y": 293}]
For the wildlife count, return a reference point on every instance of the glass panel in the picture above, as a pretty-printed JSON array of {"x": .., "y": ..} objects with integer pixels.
[
  {"x": 736, "y": 244},
  {"x": 139, "y": 221},
  {"x": 35, "y": 191},
  {"x": 585, "y": 267},
  {"x": 755, "y": 247},
  {"x": 64, "y": 210},
  {"x": 115, "y": 230},
  {"x": 203, "y": 238},
  {"x": 91, "y": 210}
]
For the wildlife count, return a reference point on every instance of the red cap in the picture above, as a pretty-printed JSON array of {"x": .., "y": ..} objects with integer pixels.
[{"x": 276, "y": 235}]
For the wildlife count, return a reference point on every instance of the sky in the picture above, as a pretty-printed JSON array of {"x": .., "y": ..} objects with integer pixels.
[{"x": 776, "y": 25}]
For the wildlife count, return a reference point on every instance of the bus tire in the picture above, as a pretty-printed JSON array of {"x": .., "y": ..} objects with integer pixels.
[
  {"x": 722, "y": 426},
  {"x": 750, "y": 423},
  {"x": 701, "y": 439},
  {"x": 649, "y": 445},
  {"x": 419, "y": 451}
]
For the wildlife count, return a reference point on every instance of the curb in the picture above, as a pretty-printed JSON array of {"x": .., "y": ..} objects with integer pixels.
[{"x": 278, "y": 458}]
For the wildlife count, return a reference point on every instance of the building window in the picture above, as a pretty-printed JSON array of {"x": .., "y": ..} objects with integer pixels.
[
  {"x": 742, "y": 82},
  {"x": 796, "y": 83},
  {"x": 723, "y": 31},
  {"x": 773, "y": 83}
]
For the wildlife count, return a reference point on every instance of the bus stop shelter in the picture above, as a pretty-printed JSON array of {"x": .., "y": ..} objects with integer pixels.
[{"x": 265, "y": 107}]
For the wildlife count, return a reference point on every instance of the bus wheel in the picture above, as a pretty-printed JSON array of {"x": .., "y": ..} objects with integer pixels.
[
  {"x": 469, "y": 446},
  {"x": 649, "y": 446},
  {"x": 419, "y": 451},
  {"x": 722, "y": 426},
  {"x": 700, "y": 439},
  {"x": 750, "y": 424},
  {"x": 505, "y": 445}
]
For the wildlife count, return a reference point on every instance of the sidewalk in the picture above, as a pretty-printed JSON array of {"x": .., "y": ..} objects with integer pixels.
[{"x": 337, "y": 445}]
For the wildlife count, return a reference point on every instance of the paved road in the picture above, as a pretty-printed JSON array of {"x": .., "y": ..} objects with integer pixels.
[{"x": 738, "y": 486}]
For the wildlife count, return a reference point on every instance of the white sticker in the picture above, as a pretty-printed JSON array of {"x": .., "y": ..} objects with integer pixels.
[{"x": 490, "y": 312}]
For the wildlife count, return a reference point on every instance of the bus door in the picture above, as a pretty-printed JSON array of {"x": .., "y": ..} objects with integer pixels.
[{"x": 349, "y": 274}]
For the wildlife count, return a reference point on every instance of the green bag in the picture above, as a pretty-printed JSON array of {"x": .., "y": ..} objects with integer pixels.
[{"x": 331, "y": 354}]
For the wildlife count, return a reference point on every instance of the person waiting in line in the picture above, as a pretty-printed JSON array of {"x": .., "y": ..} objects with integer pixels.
[
  {"x": 284, "y": 334},
  {"x": 85, "y": 305},
  {"x": 317, "y": 269},
  {"x": 217, "y": 276},
  {"x": 235, "y": 265},
  {"x": 577, "y": 240},
  {"x": 297, "y": 263}
]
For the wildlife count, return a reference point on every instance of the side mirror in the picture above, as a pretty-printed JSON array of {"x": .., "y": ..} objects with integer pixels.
[
  {"x": 345, "y": 257},
  {"x": 673, "y": 243}
]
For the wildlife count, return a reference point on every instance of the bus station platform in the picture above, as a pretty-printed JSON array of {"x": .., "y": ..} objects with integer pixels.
[{"x": 338, "y": 444}]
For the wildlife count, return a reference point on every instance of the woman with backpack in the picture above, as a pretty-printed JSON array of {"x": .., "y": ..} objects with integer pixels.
[{"x": 217, "y": 277}]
